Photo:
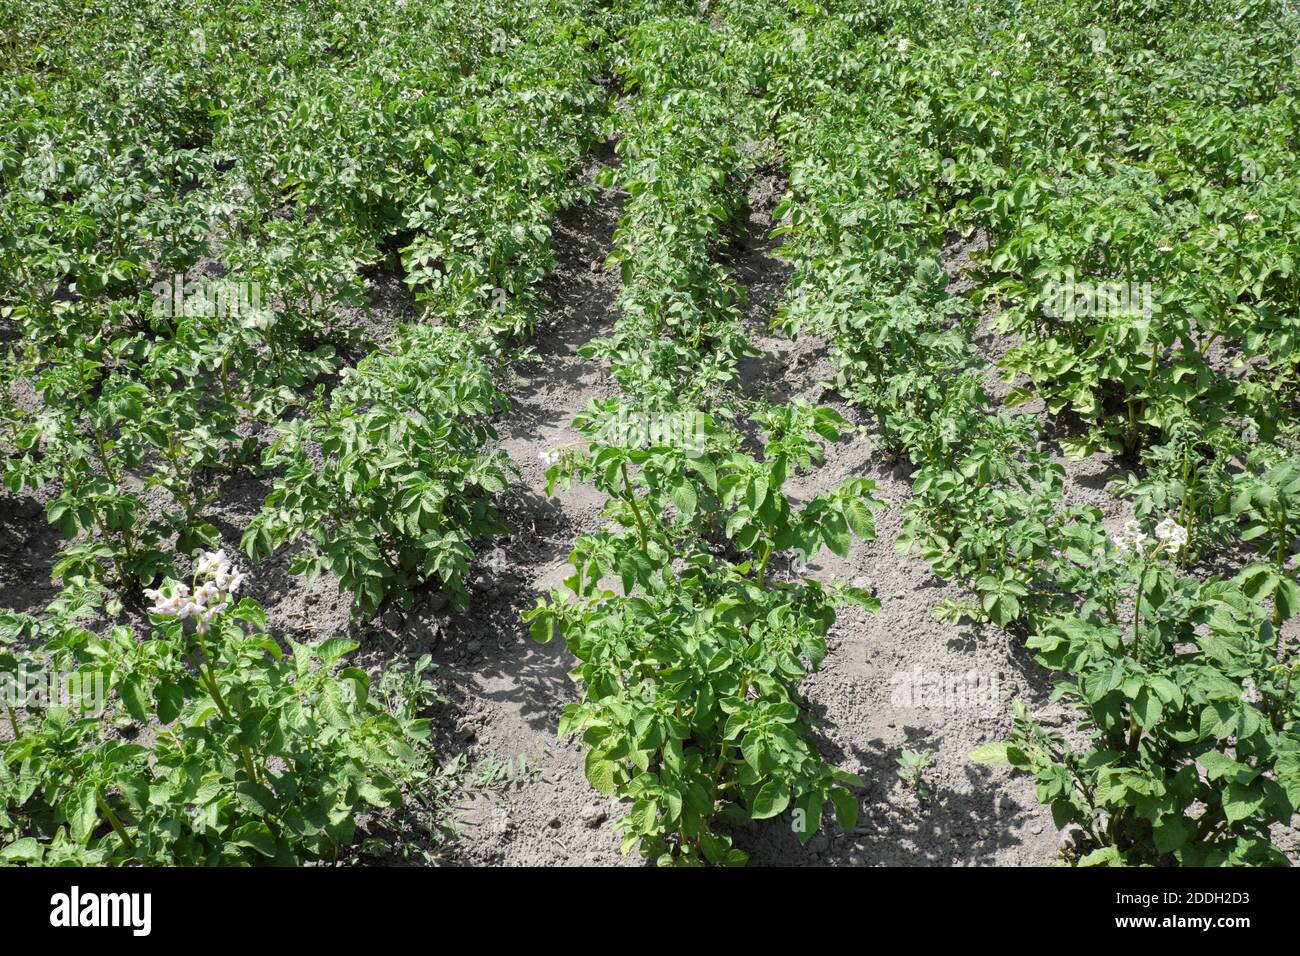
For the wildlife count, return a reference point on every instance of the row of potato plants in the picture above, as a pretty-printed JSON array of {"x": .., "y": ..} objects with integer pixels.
[
  {"x": 690, "y": 635},
  {"x": 185, "y": 263},
  {"x": 213, "y": 742},
  {"x": 1183, "y": 685},
  {"x": 210, "y": 743},
  {"x": 404, "y": 490}
]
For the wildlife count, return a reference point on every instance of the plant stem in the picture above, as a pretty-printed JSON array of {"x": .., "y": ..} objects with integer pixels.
[
  {"x": 210, "y": 681},
  {"x": 762, "y": 567},
  {"x": 1137, "y": 610},
  {"x": 636, "y": 511},
  {"x": 114, "y": 822},
  {"x": 1279, "y": 708}
]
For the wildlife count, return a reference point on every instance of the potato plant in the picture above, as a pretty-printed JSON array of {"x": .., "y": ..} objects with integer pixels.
[
  {"x": 690, "y": 710},
  {"x": 390, "y": 482},
  {"x": 262, "y": 751},
  {"x": 1192, "y": 752}
]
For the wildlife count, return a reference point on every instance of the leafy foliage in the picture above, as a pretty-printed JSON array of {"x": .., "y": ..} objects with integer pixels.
[
  {"x": 690, "y": 709},
  {"x": 391, "y": 482},
  {"x": 255, "y": 755}
]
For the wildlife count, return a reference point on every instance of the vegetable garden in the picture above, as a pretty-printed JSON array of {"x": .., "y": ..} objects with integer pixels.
[{"x": 506, "y": 432}]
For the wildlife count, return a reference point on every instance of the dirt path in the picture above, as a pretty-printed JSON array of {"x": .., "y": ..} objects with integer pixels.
[
  {"x": 508, "y": 690},
  {"x": 882, "y": 686}
]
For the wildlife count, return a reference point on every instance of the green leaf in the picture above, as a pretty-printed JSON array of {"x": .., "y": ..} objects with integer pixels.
[
  {"x": 859, "y": 518},
  {"x": 133, "y": 698},
  {"x": 256, "y": 836},
  {"x": 170, "y": 699},
  {"x": 600, "y": 772},
  {"x": 846, "y": 807},
  {"x": 684, "y": 497},
  {"x": 255, "y": 798},
  {"x": 1170, "y": 832},
  {"x": 835, "y": 532},
  {"x": 1241, "y": 801},
  {"x": 82, "y": 813},
  {"x": 991, "y": 753},
  {"x": 26, "y": 850},
  {"x": 771, "y": 799}
]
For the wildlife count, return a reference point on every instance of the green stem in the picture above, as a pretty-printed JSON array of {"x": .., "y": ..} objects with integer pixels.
[
  {"x": 114, "y": 822},
  {"x": 636, "y": 511},
  {"x": 1279, "y": 558},
  {"x": 1208, "y": 342},
  {"x": 726, "y": 747},
  {"x": 1184, "y": 517},
  {"x": 762, "y": 567},
  {"x": 1137, "y": 611},
  {"x": 101, "y": 452},
  {"x": 1279, "y": 709},
  {"x": 210, "y": 681},
  {"x": 1112, "y": 827},
  {"x": 182, "y": 490}
]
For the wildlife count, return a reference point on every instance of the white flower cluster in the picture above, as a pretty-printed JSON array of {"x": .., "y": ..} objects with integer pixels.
[
  {"x": 1170, "y": 537},
  {"x": 549, "y": 458},
  {"x": 215, "y": 582},
  {"x": 904, "y": 44},
  {"x": 1132, "y": 538}
]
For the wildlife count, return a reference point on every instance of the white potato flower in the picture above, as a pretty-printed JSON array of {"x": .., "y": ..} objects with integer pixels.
[
  {"x": 215, "y": 582},
  {"x": 1171, "y": 535},
  {"x": 1133, "y": 531}
]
